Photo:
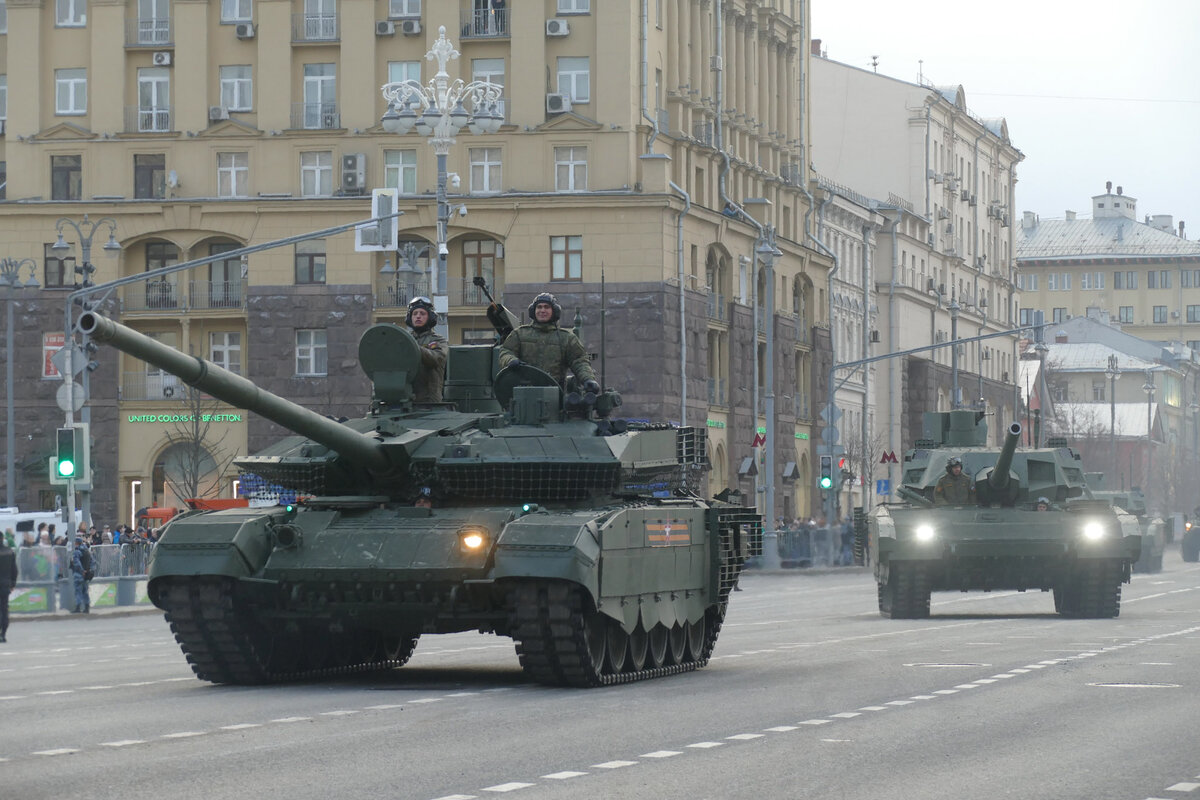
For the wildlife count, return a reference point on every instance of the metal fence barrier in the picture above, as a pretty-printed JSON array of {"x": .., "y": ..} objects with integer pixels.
[{"x": 42, "y": 563}]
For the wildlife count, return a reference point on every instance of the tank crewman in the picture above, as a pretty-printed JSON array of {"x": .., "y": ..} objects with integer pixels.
[
  {"x": 544, "y": 345},
  {"x": 1043, "y": 504},
  {"x": 954, "y": 488},
  {"x": 421, "y": 318}
]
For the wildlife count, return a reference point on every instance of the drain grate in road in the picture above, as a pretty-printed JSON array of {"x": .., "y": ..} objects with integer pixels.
[{"x": 1135, "y": 685}]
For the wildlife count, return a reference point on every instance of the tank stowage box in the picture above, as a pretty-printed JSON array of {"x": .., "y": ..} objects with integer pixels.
[
  {"x": 1079, "y": 548},
  {"x": 577, "y": 534}
]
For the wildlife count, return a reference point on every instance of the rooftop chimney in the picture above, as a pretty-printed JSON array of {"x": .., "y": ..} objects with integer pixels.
[
  {"x": 1060, "y": 337},
  {"x": 815, "y": 48},
  {"x": 1108, "y": 187},
  {"x": 1070, "y": 215},
  {"x": 1120, "y": 190}
]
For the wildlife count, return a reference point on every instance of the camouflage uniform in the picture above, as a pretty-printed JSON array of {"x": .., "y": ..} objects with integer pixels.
[
  {"x": 432, "y": 374},
  {"x": 954, "y": 490},
  {"x": 548, "y": 347}
]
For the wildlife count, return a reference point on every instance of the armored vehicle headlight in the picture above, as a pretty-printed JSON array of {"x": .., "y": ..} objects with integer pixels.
[
  {"x": 1093, "y": 531},
  {"x": 925, "y": 533},
  {"x": 472, "y": 540}
]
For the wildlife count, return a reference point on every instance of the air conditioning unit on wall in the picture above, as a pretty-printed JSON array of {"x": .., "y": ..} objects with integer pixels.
[
  {"x": 385, "y": 28},
  {"x": 557, "y": 27},
  {"x": 162, "y": 58},
  {"x": 557, "y": 103},
  {"x": 354, "y": 173},
  {"x": 244, "y": 30},
  {"x": 410, "y": 27},
  {"x": 217, "y": 113}
]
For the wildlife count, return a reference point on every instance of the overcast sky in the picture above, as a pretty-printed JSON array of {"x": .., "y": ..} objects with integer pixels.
[{"x": 1093, "y": 90}]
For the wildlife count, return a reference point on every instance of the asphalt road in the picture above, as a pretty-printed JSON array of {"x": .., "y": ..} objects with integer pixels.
[{"x": 810, "y": 694}]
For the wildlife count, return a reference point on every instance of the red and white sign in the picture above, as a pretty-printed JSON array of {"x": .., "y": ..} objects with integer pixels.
[{"x": 51, "y": 344}]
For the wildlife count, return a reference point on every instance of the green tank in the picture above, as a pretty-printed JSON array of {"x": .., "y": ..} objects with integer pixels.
[
  {"x": 579, "y": 535},
  {"x": 1153, "y": 529},
  {"x": 1080, "y": 549}
]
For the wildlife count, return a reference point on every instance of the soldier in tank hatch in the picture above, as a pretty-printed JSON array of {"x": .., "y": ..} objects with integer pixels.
[
  {"x": 954, "y": 488},
  {"x": 544, "y": 345},
  {"x": 421, "y": 318}
]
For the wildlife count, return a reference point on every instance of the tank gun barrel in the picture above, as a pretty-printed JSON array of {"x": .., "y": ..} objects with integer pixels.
[
  {"x": 998, "y": 479},
  {"x": 914, "y": 497},
  {"x": 236, "y": 390}
]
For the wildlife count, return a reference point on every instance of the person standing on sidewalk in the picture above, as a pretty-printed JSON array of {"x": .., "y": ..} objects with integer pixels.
[
  {"x": 8, "y": 579},
  {"x": 81, "y": 570}
]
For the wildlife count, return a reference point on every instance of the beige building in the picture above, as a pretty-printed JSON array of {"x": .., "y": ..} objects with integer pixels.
[
  {"x": 201, "y": 128},
  {"x": 1144, "y": 274},
  {"x": 941, "y": 262}
]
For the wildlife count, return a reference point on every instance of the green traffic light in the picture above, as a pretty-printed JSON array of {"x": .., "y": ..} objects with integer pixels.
[
  {"x": 826, "y": 482},
  {"x": 66, "y": 469}
]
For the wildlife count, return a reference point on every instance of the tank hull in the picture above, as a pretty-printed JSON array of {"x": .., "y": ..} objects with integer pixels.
[
  {"x": 986, "y": 549},
  {"x": 643, "y": 587}
]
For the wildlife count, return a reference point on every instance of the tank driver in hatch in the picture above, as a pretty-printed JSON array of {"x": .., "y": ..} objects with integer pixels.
[
  {"x": 544, "y": 345},
  {"x": 421, "y": 318}
]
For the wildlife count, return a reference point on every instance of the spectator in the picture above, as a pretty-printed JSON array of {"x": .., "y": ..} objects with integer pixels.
[
  {"x": 10, "y": 538},
  {"x": 81, "y": 566},
  {"x": 8, "y": 579},
  {"x": 106, "y": 535},
  {"x": 29, "y": 539}
]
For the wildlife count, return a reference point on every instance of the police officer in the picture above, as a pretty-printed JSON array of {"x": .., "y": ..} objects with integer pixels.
[
  {"x": 544, "y": 345},
  {"x": 432, "y": 374},
  {"x": 954, "y": 488}
]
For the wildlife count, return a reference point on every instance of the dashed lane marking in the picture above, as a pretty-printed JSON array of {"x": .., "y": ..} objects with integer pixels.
[
  {"x": 613, "y": 764},
  {"x": 507, "y": 787},
  {"x": 1184, "y": 787},
  {"x": 782, "y": 728},
  {"x": 661, "y": 754},
  {"x": 59, "y": 751},
  {"x": 182, "y": 735},
  {"x": 123, "y": 743},
  {"x": 565, "y": 775},
  {"x": 705, "y": 745},
  {"x": 744, "y": 737}
]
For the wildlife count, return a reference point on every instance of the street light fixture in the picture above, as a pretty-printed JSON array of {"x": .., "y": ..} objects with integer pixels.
[
  {"x": 405, "y": 286},
  {"x": 1149, "y": 388},
  {"x": 442, "y": 104},
  {"x": 1112, "y": 373},
  {"x": 10, "y": 278}
]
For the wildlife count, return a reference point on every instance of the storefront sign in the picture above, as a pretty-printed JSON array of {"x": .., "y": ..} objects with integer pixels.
[
  {"x": 185, "y": 418},
  {"x": 715, "y": 423}
]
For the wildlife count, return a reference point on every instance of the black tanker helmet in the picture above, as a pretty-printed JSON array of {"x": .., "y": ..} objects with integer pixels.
[
  {"x": 425, "y": 303},
  {"x": 546, "y": 297},
  {"x": 952, "y": 462}
]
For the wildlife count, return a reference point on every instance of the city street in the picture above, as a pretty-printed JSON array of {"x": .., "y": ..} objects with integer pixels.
[{"x": 810, "y": 694}]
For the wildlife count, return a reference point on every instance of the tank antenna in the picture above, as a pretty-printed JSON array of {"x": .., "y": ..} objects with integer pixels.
[{"x": 603, "y": 314}]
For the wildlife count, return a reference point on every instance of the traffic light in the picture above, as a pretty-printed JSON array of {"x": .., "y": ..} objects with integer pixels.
[
  {"x": 71, "y": 451},
  {"x": 65, "y": 452},
  {"x": 825, "y": 478}
]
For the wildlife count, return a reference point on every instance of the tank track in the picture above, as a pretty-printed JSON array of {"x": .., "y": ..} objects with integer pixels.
[
  {"x": 224, "y": 643},
  {"x": 1093, "y": 591},
  {"x": 551, "y": 622},
  {"x": 905, "y": 594}
]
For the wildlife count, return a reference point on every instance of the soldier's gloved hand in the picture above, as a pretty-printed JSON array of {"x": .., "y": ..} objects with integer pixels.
[
  {"x": 516, "y": 362},
  {"x": 591, "y": 386}
]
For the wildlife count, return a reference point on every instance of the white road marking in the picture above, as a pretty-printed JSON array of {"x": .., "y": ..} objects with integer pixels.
[
  {"x": 61, "y": 751},
  {"x": 562, "y": 776},
  {"x": 815, "y": 722},
  {"x": 744, "y": 737},
  {"x": 507, "y": 787},
  {"x": 846, "y": 715},
  {"x": 661, "y": 754},
  {"x": 899, "y": 702},
  {"x": 341, "y": 713},
  {"x": 946, "y": 691},
  {"x": 613, "y": 764},
  {"x": 182, "y": 734},
  {"x": 924, "y": 697},
  {"x": 1184, "y": 787},
  {"x": 385, "y": 707},
  {"x": 425, "y": 700},
  {"x": 458, "y": 797},
  {"x": 782, "y": 728},
  {"x": 123, "y": 743},
  {"x": 872, "y": 708},
  {"x": 242, "y": 726},
  {"x": 705, "y": 745},
  {"x": 967, "y": 686},
  {"x": 293, "y": 719}
]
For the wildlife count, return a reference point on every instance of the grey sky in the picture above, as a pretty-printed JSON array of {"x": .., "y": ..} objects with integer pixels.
[{"x": 1093, "y": 90}]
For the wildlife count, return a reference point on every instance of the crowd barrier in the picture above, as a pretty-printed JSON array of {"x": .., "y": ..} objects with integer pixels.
[{"x": 45, "y": 582}]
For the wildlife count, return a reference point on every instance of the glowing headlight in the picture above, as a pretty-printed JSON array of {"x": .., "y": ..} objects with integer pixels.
[
  {"x": 472, "y": 540},
  {"x": 925, "y": 533},
  {"x": 1093, "y": 531}
]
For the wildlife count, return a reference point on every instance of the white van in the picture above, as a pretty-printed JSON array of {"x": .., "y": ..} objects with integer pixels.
[{"x": 20, "y": 521}]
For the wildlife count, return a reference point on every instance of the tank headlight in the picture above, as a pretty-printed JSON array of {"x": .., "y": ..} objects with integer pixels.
[
  {"x": 925, "y": 533},
  {"x": 1093, "y": 531},
  {"x": 472, "y": 540}
]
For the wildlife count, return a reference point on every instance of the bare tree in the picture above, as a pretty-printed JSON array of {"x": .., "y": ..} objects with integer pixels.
[
  {"x": 863, "y": 457},
  {"x": 195, "y": 458}
]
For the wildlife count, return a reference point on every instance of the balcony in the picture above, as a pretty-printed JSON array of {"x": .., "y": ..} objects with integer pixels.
[
  {"x": 398, "y": 293},
  {"x": 465, "y": 293},
  {"x": 485, "y": 23},
  {"x": 315, "y": 116},
  {"x": 149, "y": 119},
  {"x": 163, "y": 295},
  {"x": 314, "y": 28},
  {"x": 716, "y": 392},
  {"x": 215, "y": 294},
  {"x": 149, "y": 32},
  {"x": 142, "y": 386},
  {"x": 718, "y": 308},
  {"x": 154, "y": 295}
]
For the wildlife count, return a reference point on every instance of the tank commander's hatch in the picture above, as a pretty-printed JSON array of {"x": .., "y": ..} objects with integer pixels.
[
  {"x": 391, "y": 357},
  {"x": 511, "y": 377}
]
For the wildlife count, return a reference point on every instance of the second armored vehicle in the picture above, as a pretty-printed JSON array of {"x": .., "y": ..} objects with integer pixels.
[
  {"x": 1153, "y": 528},
  {"x": 1080, "y": 549}
]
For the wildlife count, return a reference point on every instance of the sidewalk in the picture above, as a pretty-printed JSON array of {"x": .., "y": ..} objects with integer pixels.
[
  {"x": 96, "y": 613},
  {"x": 108, "y": 597}
]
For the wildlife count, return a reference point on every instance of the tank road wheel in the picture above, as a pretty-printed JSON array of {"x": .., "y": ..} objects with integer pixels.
[
  {"x": 617, "y": 650},
  {"x": 905, "y": 595},
  {"x": 596, "y": 636},
  {"x": 638, "y": 645},
  {"x": 676, "y": 644},
  {"x": 695, "y": 639},
  {"x": 397, "y": 648},
  {"x": 658, "y": 645}
]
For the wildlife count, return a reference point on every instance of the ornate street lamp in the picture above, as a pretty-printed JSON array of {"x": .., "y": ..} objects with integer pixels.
[
  {"x": 1112, "y": 373},
  {"x": 439, "y": 110},
  {"x": 10, "y": 279},
  {"x": 1149, "y": 388}
]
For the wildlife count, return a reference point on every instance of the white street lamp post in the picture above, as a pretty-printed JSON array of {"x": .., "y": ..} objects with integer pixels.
[
  {"x": 1112, "y": 373},
  {"x": 443, "y": 112},
  {"x": 10, "y": 278}
]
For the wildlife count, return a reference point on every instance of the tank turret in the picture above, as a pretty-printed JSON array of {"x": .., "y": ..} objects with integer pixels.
[{"x": 997, "y": 484}]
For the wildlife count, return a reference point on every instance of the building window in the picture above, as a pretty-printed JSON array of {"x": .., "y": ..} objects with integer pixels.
[
  {"x": 70, "y": 91},
  {"x": 399, "y": 9},
  {"x": 1160, "y": 314},
  {"x": 570, "y": 169},
  {"x": 233, "y": 175},
  {"x": 149, "y": 176},
  {"x": 154, "y": 100},
  {"x": 70, "y": 13},
  {"x": 400, "y": 170},
  {"x": 400, "y": 71},
  {"x": 1117, "y": 283},
  {"x": 237, "y": 88},
  {"x": 161, "y": 292},
  {"x": 1085, "y": 280},
  {"x": 59, "y": 270},
  {"x": 1151, "y": 279},
  {"x": 310, "y": 352},
  {"x": 1164, "y": 279},
  {"x": 1193, "y": 313},
  {"x": 1097, "y": 391},
  {"x": 566, "y": 258},
  {"x": 485, "y": 169},
  {"x": 489, "y": 70},
  {"x": 1051, "y": 281},
  {"x": 1189, "y": 278},
  {"x": 225, "y": 350},
  {"x": 573, "y": 78},
  {"x": 3, "y": 97},
  {"x": 316, "y": 174},
  {"x": 320, "y": 96},
  {"x": 479, "y": 260},
  {"x": 66, "y": 177},
  {"x": 1194, "y": 344},
  {"x": 1065, "y": 282},
  {"x": 1059, "y": 315},
  {"x": 1125, "y": 314},
  {"x": 1025, "y": 316},
  {"x": 1131, "y": 280},
  {"x": 224, "y": 277},
  {"x": 310, "y": 261},
  {"x": 574, "y": 6},
  {"x": 237, "y": 10},
  {"x": 3, "y": 16}
]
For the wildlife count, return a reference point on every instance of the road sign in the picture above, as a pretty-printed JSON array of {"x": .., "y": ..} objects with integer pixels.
[
  {"x": 883, "y": 487},
  {"x": 825, "y": 414},
  {"x": 760, "y": 440},
  {"x": 831, "y": 450},
  {"x": 889, "y": 457},
  {"x": 71, "y": 396},
  {"x": 59, "y": 359},
  {"x": 829, "y": 434}
]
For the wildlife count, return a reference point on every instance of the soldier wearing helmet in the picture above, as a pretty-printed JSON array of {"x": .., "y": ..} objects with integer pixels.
[
  {"x": 955, "y": 488},
  {"x": 427, "y": 388},
  {"x": 544, "y": 345}
]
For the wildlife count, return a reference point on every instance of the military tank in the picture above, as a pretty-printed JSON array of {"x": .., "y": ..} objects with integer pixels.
[
  {"x": 1153, "y": 529},
  {"x": 1080, "y": 549},
  {"x": 575, "y": 533}
]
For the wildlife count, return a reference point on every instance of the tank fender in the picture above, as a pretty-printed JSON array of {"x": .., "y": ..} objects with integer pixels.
[
  {"x": 884, "y": 536},
  {"x": 551, "y": 545},
  {"x": 235, "y": 543}
]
